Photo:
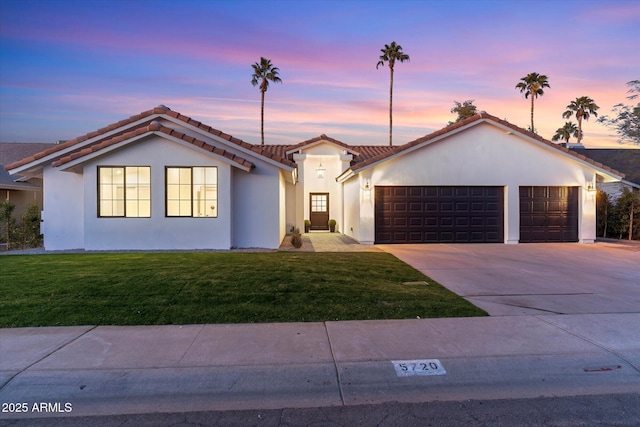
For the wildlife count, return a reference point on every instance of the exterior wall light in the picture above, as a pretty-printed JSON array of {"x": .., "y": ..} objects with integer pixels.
[
  {"x": 320, "y": 171},
  {"x": 366, "y": 191},
  {"x": 590, "y": 187}
]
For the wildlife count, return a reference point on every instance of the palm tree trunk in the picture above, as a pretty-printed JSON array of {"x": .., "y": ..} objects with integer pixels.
[
  {"x": 391, "y": 107},
  {"x": 532, "y": 128},
  {"x": 262, "y": 117},
  {"x": 579, "y": 129}
]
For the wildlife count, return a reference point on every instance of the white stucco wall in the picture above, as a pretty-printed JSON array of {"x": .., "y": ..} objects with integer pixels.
[
  {"x": 63, "y": 210},
  {"x": 332, "y": 159},
  {"x": 485, "y": 155},
  {"x": 158, "y": 231},
  {"x": 258, "y": 212}
]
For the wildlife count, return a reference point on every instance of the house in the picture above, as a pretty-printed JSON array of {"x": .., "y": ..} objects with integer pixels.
[
  {"x": 624, "y": 160},
  {"x": 19, "y": 190},
  {"x": 161, "y": 180}
]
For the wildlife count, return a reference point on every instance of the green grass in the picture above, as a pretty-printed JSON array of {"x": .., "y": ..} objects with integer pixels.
[{"x": 225, "y": 287}]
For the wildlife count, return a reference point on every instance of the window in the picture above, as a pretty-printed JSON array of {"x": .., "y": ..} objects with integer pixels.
[
  {"x": 192, "y": 191},
  {"x": 124, "y": 191}
]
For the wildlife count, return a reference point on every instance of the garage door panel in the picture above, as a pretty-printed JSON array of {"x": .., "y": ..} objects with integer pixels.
[
  {"x": 548, "y": 214},
  {"x": 439, "y": 214}
]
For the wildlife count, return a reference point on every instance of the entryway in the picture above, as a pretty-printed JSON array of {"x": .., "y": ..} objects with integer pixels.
[{"x": 319, "y": 211}]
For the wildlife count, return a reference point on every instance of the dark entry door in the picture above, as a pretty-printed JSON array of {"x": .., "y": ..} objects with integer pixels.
[
  {"x": 319, "y": 208},
  {"x": 548, "y": 214},
  {"x": 429, "y": 214}
]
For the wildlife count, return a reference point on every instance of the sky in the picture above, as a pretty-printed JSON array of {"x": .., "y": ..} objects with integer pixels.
[{"x": 70, "y": 67}]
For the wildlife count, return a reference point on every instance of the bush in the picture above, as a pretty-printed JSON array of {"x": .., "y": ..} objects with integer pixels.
[
  {"x": 23, "y": 234},
  {"x": 29, "y": 227},
  {"x": 296, "y": 239}
]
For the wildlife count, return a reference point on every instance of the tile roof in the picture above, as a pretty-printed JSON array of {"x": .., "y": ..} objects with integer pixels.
[
  {"x": 322, "y": 137},
  {"x": 626, "y": 160},
  {"x": 154, "y": 126},
  {"x": 150, "y": 114},
  {"x": 482, "y": 116},
  {"x": 14, "y": 151},
  {"x": 361, "y": 152}
]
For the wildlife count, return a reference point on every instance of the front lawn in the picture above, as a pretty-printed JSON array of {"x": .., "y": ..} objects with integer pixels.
[{"x": 222, "y": 287}]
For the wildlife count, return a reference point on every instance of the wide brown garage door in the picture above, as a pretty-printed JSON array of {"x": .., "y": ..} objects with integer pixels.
[
  {"x": 548, "y": 214},
  {"x": 439, "y": 214}
]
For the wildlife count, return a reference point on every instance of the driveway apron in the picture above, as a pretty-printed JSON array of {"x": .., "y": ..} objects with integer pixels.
[{"x": 527, "y": 279}]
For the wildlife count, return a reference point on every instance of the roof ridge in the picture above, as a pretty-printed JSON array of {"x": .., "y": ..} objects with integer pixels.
[
  {"x": 152, "y": 127},
  {"x": 481, "y": 116}
]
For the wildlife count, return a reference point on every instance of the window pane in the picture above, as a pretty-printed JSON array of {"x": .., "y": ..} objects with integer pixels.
[
  {"x": 118, "y": 208},
  {"x": 106, "y": 208},
  {"x": 132, "y": 208},
  {"x": 117, "y": 176},
  {"x": 185, "y": 207},
  {"x": 185, "y": 176},
  {"x": 173, "y": 208},
  {"x": 144, "y": 208},
  {"x": 144, "y": 175}
]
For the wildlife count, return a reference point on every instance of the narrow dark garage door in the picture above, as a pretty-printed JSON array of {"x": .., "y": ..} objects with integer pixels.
[
  {"x": 548, "y": 214},
  {"x": 439, "y": 214}
]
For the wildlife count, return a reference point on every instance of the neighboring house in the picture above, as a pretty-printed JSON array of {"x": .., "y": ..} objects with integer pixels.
[
  {"x": 22, "y": 191},
  {"x": 161, "y": 180},
  {"x": 626, "y": 161}
]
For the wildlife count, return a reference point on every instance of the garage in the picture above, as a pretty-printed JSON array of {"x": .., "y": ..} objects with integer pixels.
[
  {"x": 548, "y": 214},
  {"x": 439, "y": 214}
]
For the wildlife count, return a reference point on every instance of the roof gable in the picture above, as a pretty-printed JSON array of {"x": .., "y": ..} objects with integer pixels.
[
  {"x": 155, "y": 127},
  {"x": 134, "y": 126},
  {"x": 475, "y": 120},
  {"x": 322, "y": 139}
]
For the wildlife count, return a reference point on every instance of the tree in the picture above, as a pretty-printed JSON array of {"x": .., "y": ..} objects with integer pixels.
[
  {"x": 604, "y": 213},
  {"x": 565, "y": 132},
  {"x": 464, "y": 110},
  {"x": 390, "y": 54},
  {"x": 7, "y": 223},
  {"x": 627, "y": 122},
  {"x": 533, "y": 85},
  {"x": 263, "y": 73},
  {"x": 628, "y": 211},
  {"x": 583, "y": 108}
]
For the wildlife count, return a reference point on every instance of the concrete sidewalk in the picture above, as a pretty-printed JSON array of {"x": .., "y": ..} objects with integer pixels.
[{"x": 122, "y": 370}]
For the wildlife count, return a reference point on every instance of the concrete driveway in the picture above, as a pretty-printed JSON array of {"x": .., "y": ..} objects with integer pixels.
[{"x": 525, "y": 279}]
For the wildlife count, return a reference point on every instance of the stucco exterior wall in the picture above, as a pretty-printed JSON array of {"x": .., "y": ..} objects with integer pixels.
[
  {"x": 486, "y": 155},
  {"x": 330, "y": 156},
  {"x": 63, "y": 212},
  {"x": 258, "y": 214},
  {"x": 158, "y": 231}
]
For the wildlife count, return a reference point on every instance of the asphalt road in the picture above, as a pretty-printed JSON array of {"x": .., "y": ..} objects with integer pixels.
[{"x": 600, "y": 410}]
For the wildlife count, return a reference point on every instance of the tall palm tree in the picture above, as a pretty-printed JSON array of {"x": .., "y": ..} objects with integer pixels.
[
  {"x": 582, "y": 107},
  {"x": 263, "y": 73},
  {"x": 390, "y": 54},
  {"x": 565, "y": 132},
  {"x": 533, "y": 85}
]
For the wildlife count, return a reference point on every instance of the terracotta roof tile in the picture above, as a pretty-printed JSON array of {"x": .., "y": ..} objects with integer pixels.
[
  {"x": 478, "y": 117},
  {"x": 161, "y": 109},
  {"x": 153, "y": 127}
]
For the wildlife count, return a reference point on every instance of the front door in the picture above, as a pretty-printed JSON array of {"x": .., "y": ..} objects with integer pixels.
[{"x": 319, "y": 208}]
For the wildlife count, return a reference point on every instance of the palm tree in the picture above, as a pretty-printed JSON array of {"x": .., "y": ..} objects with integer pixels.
[
  {"x": 263, "y": 73},
  {"x": 582, "y": 107},
  {"x": 533, "y": 84},
  {"x": 565, "y": 132},
  {"x": 391, "y": 53}
]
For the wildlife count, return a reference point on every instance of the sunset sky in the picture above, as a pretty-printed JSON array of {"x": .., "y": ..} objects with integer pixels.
[{"x": 70, "y": 67}]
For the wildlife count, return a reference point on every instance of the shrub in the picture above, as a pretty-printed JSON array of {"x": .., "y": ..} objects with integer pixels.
[{"x": 296, "y": 239}]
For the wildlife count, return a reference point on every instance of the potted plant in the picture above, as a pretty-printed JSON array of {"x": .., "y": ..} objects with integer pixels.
[
  {"x": 332, "y": 225},
  {"x": 307, "y": 225}
]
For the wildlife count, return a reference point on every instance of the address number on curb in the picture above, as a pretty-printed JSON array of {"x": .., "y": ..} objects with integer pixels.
[{"x": 410, "y": 368}]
